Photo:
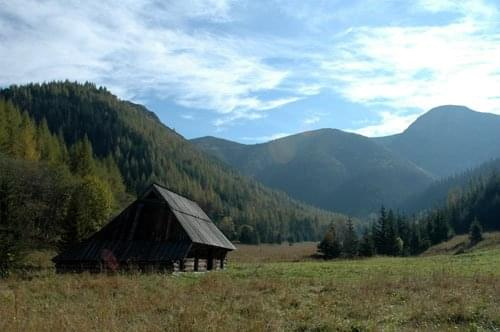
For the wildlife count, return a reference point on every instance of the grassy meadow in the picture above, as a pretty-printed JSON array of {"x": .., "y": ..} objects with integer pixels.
[{"x": 266, "y": 288}]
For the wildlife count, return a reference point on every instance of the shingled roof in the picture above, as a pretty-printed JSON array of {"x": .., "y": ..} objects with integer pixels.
[{"x": 195, "y": 222}]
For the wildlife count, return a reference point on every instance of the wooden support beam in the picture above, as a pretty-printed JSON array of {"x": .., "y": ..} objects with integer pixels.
[{"x": 196, "y": 263}]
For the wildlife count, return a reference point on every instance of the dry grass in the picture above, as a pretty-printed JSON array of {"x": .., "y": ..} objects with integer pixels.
[
  {"x": 273, "y": 252},
  {"x": 427, "y": 293}
]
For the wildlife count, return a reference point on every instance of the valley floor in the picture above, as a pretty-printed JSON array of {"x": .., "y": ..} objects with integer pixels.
[{"x": 442, "y": 292}]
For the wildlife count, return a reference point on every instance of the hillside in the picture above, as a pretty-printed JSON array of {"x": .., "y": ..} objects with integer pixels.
[
  {"x": 460, "y": 244},
  {"x": 328, "y": 168},
  {"x": 448, "y": 140},
  {"x": 437, "y": 193},
  {"x": 145, "y": 150}
]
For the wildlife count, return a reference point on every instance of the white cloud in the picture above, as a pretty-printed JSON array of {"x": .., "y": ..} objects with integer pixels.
[
  {"x": 419, "y": 67},
  {"x": 188, "y": 52},
  {"x": 187, "y": 116},
  {"x": 390, "y": 123},
  {"x": 260, "y": 139},
  {"x": 469, "y": 8},
  {"x": 139, "y": 47},
  {"x": 252, "y": 113},
  {"x": 313, "y": 119}
]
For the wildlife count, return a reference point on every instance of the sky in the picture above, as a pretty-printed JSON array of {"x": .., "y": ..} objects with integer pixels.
[{"x": 255, "y": 70}]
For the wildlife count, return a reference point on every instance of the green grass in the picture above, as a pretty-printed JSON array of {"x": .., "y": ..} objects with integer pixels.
[{"x": 425, "y": 293}]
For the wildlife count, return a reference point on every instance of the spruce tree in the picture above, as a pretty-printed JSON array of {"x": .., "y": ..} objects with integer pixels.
[
  {"x": 89, "y": 209},
  {"x": 330, "y": 246},
  {"x": 350, "y": 243},
  {"x": 475, "y": 232},
  {"x": 27, "y": 143},
  {"x": 404, "y": 233},
  {"x": 415, "y": 244},
  {"x": 81, "y": 158},
  {"x": 379, "y": 232},
  {"x": 366, "y": 248},
  {"x": 393, "y": 245}
]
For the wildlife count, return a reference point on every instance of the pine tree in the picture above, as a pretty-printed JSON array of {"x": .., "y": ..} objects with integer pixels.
[
  {"x": 330, "y": 246},
  {"x": 366, "y": 247},
  {"x": 89, "y": 209},
  {"x": 394, "y": 244},
  {"x": 379, "y": 232},
  {"x": 404, "y": 233},
  {"x": 350, "y": 243},
  {"x": 81, "y": 158},
  {"x": 415, "y": 244},
  {"x": 441, "y": 228},
  {"x": 27, "y": 143},
  {"x": 475, "y": 232}
]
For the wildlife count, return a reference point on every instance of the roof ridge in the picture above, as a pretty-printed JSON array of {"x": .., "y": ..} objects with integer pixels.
[{"x": 173, "y": 192}]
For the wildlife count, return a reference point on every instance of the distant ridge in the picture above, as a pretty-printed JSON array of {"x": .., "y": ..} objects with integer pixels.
[
  {"x": 448, "y": 140},
  {"x": 354, "y": 174},
  {"x": 328, "y": 168}
]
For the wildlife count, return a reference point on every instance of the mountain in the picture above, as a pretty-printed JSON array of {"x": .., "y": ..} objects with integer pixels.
[
  {"x": 145, "y": 151},
  {"x": 448, "y": 140},
  {"x": 349, "y": 173},
  {"x": 328, "y": 168}
]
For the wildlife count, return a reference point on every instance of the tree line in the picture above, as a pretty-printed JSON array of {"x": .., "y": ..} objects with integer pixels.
[
  {"x": 394, "y": 234},
  {"x": 471, "y": 206}
]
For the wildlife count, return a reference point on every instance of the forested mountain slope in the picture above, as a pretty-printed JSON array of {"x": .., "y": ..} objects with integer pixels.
[
  {"x": 448, "y": 140},
  {"x": 449, "y": 188},
  {"x": 479, "y": 200},
  {"x": 145, "y": 150},
  {"x": 51, "y": 194},
  {"x": 328, "y": 168}
]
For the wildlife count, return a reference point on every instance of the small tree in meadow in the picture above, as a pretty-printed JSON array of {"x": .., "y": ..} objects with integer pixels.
[
  {"x": 330, "y": 246},
  {"x": 475, "y": 232}
]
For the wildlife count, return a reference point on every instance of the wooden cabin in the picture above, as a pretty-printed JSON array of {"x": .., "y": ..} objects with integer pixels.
[{"x": 161, "y": 230}]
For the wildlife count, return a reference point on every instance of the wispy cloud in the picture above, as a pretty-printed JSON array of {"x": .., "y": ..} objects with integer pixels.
[
  {"x": 419, "y": 67},
  {"x": 252, "y": 112},
  {"x": 313, "y": 119},
  {"x": 221, "y": 56},
  {"x": 389, "y": 123},
  {"x": 187, "y": 116},
  {"x": 137, "y": 48}
]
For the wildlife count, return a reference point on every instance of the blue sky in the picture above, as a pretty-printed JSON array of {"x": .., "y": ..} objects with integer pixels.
[{"x": 252, "y": 71}]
